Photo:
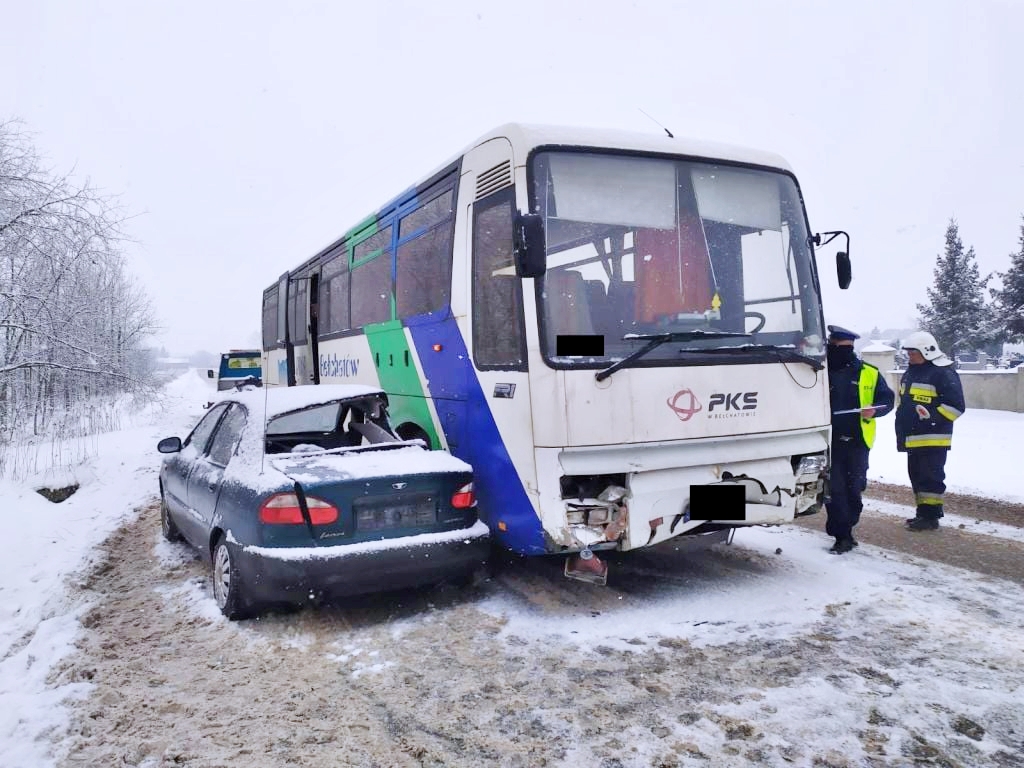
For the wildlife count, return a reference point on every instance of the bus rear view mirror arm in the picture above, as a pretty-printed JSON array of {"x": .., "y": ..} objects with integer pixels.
[
  {"x": 844, "y": 271},
  {"x": 528, "y": 245}
]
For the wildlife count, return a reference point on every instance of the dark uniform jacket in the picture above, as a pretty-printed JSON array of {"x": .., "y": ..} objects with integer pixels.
[
  {"x": 931, "y": 399},
  {"x": 844, "y": 395}
]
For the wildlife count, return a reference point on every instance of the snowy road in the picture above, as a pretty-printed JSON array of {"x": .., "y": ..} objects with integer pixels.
[{"x": 732, "y": 656}]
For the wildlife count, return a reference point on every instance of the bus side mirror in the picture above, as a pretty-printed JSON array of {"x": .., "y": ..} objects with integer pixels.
[
  {"x": 843, "y": 269},
  {"x": 209, "y": 373},
  {"x": 528, "y": 245}
]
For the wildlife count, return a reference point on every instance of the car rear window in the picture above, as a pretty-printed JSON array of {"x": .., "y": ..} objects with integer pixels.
[{"x": 320, "y": 418}]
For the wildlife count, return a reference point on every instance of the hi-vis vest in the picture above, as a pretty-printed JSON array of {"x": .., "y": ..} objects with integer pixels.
[{"x": 866, "y": 390}]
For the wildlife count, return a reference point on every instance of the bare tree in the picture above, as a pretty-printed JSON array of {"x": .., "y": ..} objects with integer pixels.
[{"x": 72, "y": 320}]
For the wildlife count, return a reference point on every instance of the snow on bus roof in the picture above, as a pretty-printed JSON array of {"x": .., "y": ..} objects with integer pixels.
[
  {"x": 530, "y": 135},
  {"x": 278, "y": 400}
]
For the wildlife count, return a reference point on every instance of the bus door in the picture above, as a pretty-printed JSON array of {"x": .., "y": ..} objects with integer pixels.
[
  {"x": 298, "y": 328},
  {"x": 313, "y": 326},
  {"x": 286, "y": 367},
  {"x": 497, "y": 434}
]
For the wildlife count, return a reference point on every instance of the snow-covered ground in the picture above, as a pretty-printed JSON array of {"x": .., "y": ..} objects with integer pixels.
[
  {"x": 985, "y": 460},
  {"x": 43, "y": 544}
]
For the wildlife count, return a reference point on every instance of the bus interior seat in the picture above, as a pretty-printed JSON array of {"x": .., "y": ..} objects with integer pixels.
[
  {"x": 674, "y": 277},
  {"x": 597, "y": 301},
  {"x": 568, "y": 310},
  {"x": 621, "y": 308}
]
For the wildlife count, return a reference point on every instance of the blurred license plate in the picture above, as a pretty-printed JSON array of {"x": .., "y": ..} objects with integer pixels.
[
  {"x": 718, "y": 502},
  {"x": 376, "y": 514}
]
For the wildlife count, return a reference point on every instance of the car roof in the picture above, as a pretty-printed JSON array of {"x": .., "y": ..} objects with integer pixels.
[{"x": 273, "y": 401}]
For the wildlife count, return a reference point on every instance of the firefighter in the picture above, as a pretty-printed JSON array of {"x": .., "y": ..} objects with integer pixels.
[
  {"x": 931, "y": 399},
  {"x": 857, "y": 395}
]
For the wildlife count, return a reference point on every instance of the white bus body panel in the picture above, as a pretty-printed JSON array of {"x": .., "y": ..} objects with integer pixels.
[
  {"x": 635, "y": 405},
  {"x": 745, "y": 420}
]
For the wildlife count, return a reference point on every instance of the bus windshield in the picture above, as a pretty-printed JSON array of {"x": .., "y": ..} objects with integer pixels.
[{"x": 645, "y": 245}]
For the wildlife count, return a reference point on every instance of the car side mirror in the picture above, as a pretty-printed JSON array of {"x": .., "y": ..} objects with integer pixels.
[
  {"x": 169, "y": 445},
  {"x": 528, "y": 245},
  {"x": 843, "y": 269}
]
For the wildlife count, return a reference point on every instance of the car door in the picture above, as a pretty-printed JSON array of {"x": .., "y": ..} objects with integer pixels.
[
  {"x": 178, "y": 467},
  {"x": 204, "y": 484}
]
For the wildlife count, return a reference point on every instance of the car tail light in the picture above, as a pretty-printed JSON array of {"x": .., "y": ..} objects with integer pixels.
[
  {"x": 284, "y": 509},
  {"x": 464, "y": 498}
]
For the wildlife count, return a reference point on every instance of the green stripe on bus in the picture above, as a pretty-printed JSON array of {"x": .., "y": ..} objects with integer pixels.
[{"x": 396, "y": 369}]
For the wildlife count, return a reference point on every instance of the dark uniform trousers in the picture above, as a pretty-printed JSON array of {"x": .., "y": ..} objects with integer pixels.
[
  {"x": 927, "y": 470},
  {"x": 848, "y": 479}
]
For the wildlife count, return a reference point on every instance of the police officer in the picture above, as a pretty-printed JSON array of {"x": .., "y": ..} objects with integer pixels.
[
  {"x": 858, "y": 395},
  {"x": 931, "y": 399}
]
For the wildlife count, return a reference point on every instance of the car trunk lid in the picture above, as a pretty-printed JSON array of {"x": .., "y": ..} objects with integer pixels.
[{"x": 379, "y": 492}]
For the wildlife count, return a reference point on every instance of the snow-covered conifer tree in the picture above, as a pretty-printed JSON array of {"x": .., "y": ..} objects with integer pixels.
[
  {"x": 1009, "y": 300},
  {"x": 956, "y": 314}
]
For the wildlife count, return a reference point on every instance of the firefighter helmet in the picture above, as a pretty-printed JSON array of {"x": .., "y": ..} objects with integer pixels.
[{"x": 925, "y": 343}]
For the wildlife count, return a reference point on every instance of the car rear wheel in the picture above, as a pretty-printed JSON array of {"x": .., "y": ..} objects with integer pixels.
[
  {"x": 227, "y": 583},
  {"x": 167, "y": 526}
]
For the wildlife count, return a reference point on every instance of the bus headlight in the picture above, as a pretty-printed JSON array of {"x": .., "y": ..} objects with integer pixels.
[
  {"x": 595, "y": 506},
  {"x": 810, "y": 483},
  {"x": 590, "y": 512},
  {"x": 813, "y": 465}
]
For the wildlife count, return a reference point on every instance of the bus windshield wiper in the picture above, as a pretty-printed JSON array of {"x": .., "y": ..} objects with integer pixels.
[
  {"x": 656, "y": 340},
  {"x": 787, "y": 354}
]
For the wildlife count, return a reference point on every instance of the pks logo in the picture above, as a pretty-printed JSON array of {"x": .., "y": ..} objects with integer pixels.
[
  {"x": 684, "y": 404},
  {"x": 731, "y": 401}
]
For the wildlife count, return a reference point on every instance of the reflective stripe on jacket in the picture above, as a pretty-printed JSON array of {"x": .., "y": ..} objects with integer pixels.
[
  {"x": 866, "y": 388},
  {"x": 931, "y": 399}
]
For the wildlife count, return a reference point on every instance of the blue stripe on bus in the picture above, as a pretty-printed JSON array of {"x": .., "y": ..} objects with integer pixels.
[{"x": 468, "y": 423}]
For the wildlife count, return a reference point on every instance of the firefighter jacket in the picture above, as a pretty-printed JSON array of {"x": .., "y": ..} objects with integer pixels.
[
  {"x": 931, "y": 399},
  {"x": 857, "y": 385}
]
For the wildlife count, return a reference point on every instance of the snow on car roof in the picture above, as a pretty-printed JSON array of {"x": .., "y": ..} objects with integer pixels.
[{"x": 273, "y": 401}]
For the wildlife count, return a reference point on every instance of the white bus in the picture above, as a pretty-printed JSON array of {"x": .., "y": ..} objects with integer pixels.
[{"x": 621, "y": 333}]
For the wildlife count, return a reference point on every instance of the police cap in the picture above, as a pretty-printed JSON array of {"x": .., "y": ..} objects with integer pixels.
[{"x": 838, "y": 333}]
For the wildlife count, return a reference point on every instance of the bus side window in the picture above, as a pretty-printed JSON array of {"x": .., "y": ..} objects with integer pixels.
[
  {"x": 499, "y": 338},
  {"x": 334, "y": 298},
  {"x": 423, "y": 271},
  {"x": 371, "y": 291}
]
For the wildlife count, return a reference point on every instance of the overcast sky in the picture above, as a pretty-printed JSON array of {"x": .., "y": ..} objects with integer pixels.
[{"x": 248, "y": 135}]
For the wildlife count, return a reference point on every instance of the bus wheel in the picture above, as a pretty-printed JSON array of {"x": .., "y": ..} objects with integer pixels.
[{"x": 413, "y": 432}]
